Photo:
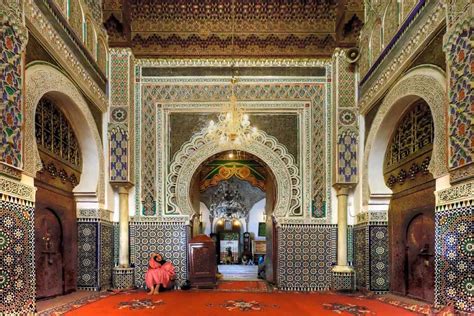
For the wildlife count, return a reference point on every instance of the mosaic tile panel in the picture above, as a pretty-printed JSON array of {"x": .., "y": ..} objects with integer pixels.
[
  {"x": 95, "y": 255},
  {"x": 461, "y": 113},
  {"x": 345, "y": 119},
  {"x": 306, "y": 254},
  {"x": 119, "y": 77},
  {"x": 168, "y": 239},
  {"x": 116, "y": 243},
  {"x": 106, "y": 255},
  {"x": 378, "y": 262},
  {"x": 342, "y": 281},
  {"x": 350, "y": 244},
  {"x": 361, "y": 258},
  {"x": 88, "y": 233},
  {"x": 10, "y": 86},
  {"x": 454, "y": 256},
  {"x": 123, "y": 278},
  {"x": 17, "y": 266},
  {"x": 347, "y": 157},
  {"x": 118, "y": 155}
]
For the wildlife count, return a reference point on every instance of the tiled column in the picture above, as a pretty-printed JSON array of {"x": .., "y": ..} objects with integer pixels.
[
  {"x": 454, "y": 245},
  {"x": 17, "y": 193},
  {"x": 121, "y": 154},
  {"x": 17, "y": 265}
]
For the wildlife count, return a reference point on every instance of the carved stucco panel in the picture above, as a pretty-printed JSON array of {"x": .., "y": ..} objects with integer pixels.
[
  {"x": 429, "y": 88},
  {"x": 42, "y": 79},
  {"x": 267, "y": 148}
]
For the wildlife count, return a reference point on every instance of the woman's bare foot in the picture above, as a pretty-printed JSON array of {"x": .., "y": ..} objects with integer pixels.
[
  {"x": 157, "y": 290},
  {"x": 149, "y": 293}
]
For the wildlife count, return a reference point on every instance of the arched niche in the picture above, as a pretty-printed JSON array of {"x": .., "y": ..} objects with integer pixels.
[
  {"x": 76, "y": 17},
  {"x": 42, "y": 79},
  {"x": 390, "y": 21},
  {"x": 424, "y": 82}
]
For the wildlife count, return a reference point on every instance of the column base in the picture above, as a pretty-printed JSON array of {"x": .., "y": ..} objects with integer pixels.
[
  {"x": 123, "y": 278},
  {"x": 343, "y": 279}
]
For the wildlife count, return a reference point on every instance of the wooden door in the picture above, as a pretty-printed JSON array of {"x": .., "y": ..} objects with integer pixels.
[
  {"x": 420, "y": 258},
  {"x": 48, "y": 251}
]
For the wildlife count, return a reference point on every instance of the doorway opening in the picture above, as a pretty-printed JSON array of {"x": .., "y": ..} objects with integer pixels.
[
  {"x": 233, "y": 195},
  {"x": 411, "y": 211},
  {"x": 55, "y": 207}
]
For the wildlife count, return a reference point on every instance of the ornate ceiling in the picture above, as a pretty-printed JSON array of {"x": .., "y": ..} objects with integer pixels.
[{"x": 203, "y": 28}]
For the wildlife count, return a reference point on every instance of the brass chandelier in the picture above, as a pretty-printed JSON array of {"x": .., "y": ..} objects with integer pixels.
[{"x": 233, "y": 124}]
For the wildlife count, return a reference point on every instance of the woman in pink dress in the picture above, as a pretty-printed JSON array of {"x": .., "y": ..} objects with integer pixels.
[{"x": 160, "y": 272}]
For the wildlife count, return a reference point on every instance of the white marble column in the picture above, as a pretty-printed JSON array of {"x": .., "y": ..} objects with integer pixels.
[
  {"x": 342, "y": 195},
  {"x": 124, "y": 251}
]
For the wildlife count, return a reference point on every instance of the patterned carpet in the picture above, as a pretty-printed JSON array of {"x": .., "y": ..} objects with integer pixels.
[
  {"x": 244, "y": 286},
  {"x": 210, "y": 303}
]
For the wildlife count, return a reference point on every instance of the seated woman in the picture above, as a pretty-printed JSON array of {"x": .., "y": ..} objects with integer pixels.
[{"x": 160, "y": 273}]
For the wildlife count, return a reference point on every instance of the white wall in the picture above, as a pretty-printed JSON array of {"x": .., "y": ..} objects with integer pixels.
[
  {"x": 256, "y": 216},
  {"x": 205, "y": 219}
]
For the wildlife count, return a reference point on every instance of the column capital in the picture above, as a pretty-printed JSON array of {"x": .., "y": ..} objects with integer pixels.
[
  {"x": 342, "y": 188},
  {"x": 121, "y": 186}
]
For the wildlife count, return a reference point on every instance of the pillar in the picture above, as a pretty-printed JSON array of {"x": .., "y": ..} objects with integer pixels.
[
  {"x": 121, "y": 157},
  {"x": 342, "y": 194},
  {"x": 345, "y": 175},
  {"x": 343, "y": 277},
  {"x": 123, "y": 274},
  {"x": 455, "y": 204},
  {"x": 17, "y": 192},
  {"x": 124, "y": 252}
]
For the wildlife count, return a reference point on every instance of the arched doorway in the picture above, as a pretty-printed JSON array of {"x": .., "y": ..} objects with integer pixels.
[
  {"x": 55, "y": 208},
  {"x": 412, "y": 205},
  {"x": 233, "y": 194}
]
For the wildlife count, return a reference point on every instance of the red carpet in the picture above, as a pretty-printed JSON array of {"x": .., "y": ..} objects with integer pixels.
[
  {"x": 247, "y": 286},
  {"x": 210, "y": 303}
]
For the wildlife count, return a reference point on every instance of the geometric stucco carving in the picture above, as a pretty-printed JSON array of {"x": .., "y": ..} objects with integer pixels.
[
  {"x": 428, "y": 83},
  {"x": 44, "y": 79},
  {"x": 267, "y": 148}
]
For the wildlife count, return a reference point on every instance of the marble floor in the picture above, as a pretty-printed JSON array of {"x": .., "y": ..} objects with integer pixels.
[{"x": 238, "y": 272}]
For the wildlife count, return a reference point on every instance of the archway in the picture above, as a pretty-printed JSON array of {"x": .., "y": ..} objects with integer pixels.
[
  {"x": 406, "y": 187},
  {"x": 91, "y": 188},
  {"x": 265, "y": 147},
  {"x": 55, "y": 208},
  {"x": 412, "y": 205},
  {"x": 287, "y": 179},
  {"x": 227, "y": 192},
  {"x": 424, "y": 82},
  {"x": 62, "y": 185}
]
